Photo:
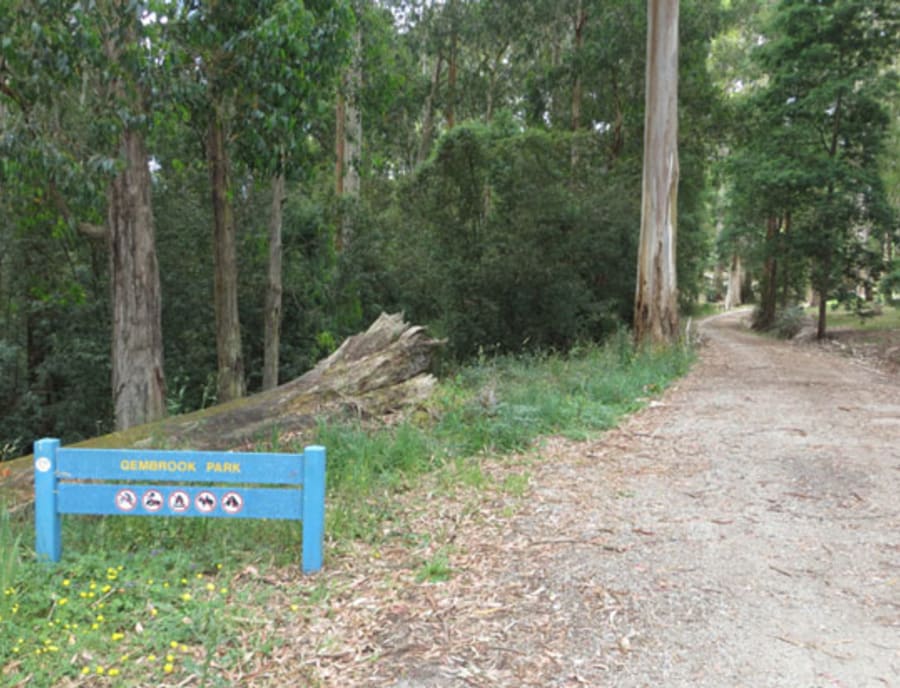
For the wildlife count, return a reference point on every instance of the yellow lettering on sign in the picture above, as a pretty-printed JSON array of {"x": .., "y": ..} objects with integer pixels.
[
  {"x": 166, "y": 466},
  {"x": 222, "y": 467}
]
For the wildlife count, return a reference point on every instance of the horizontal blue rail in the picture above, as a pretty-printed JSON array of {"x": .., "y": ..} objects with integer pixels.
[
  {"x": 199, "y": 484},
  {"x": 192, "y": 466}
]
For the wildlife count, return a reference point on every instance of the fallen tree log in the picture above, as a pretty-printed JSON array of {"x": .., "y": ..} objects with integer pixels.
[
  {"x": 373, "y": 373},
  {"x": 370, "y": 374}
]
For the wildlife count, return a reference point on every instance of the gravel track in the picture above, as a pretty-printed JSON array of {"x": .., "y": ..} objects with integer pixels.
[{"x": 742, "y": 531}]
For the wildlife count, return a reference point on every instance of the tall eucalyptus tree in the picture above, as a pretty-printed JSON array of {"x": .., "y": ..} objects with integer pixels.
[{"x": 56, "y": 56}]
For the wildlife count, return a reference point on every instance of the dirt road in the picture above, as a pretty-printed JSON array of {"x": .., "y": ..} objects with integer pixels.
[{"x": 743, "y": 531}]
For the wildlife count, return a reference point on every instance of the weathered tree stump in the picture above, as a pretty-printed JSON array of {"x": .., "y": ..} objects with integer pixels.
[{"x": 371, "y": 373}]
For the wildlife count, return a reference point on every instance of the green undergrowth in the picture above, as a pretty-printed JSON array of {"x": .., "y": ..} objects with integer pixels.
[{"x": 156, "y": 601}]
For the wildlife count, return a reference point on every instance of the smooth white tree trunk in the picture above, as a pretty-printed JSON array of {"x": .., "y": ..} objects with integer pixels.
[
  {"x": 656, "y": 293},
  {"x": 735, "y": 281}
]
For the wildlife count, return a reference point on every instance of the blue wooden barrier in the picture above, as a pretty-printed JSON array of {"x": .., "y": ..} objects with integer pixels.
[{"x": 180, "y": 484}]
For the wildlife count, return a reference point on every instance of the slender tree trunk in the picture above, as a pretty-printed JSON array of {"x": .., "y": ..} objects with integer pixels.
[
  {"x": 579, "y": 22},
  {"x": 618, "y": 138},
  {"x": 785, "y": 273},
  {"x": 139, "y": 390},
  {"x": 228, "y": 326},
  {"x": 340, "y": 120},
  {"x": 823, "y": 315},
  {"x": 492, "y": 82},
  {"x": 656, "y": 293},
  {"x": 452, "y": 66},
  {"x": 428, "y": 116},
  {"x": 735, "y": 279},
  {"x": 577, "y": 95},
  {"x": 351, "y": 144},
  {"x": 768, "y": 290},
  {"x": 272, "y": 345}
]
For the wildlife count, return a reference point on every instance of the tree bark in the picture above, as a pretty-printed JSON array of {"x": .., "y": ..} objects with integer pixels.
[
  {"x": 735, "y": 280},
  {"x": 656, "y": 293},
  {"x": 579, "y": 23},
  {"x": 822, "y": 320},
  {"x": 139, "y": 390},
  {"x": 451, "y": 83},
  {"x": 272, "y": 344},
  {"x": 428, "y": 116},
  {"x": 228, "y": 327},
  {"x": 765, "y": 317},
  {"x": 350, "y": 143}
]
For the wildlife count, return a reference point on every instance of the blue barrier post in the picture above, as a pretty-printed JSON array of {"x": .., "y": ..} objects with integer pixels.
[
  {"x": 48, "y": 523},
  {"x": 313, "y": 508}
]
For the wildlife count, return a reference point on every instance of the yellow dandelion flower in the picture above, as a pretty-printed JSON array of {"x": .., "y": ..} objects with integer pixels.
[
  {"x": 210, "y": 587},
  {"x": 66, "y": 582},
  {"x": 223, "y": 591},
  {"x": 85, "y": 671},
  {"x": 63, "y": 601},
  {"x": 100, "y": 617},
  {"x": 186, "y": 597},
  {"x": 106, "y": 589},
  {"x": 173, "y": 644},
  {"x": 116, "y": 637},
  {"x": 170, "y": 658},
  {"x": 183, "y": 648},
  {"x": 153, "y": 611},
  {"x": 169, "y": 668},
  {"x": 100, "y": 670},
  {"x": 112, "y": 672}
]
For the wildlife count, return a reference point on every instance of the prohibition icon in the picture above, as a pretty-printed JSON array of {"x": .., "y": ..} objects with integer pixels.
[
  {"x": 126, "y": 500},
  {"x": 205, "y": 501},
  {"x": 152, "y": 500},
  {"x": 179, "y": 501},
  {"x": 232, "y": 502}
]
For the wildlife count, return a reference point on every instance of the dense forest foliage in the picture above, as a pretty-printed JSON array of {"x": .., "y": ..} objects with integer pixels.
[{"x": 202, "y": 199}]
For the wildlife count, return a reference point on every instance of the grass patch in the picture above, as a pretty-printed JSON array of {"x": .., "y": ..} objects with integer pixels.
[
  {"x": 887, "y": 319},
  {"x": 155, "y": 601}
]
